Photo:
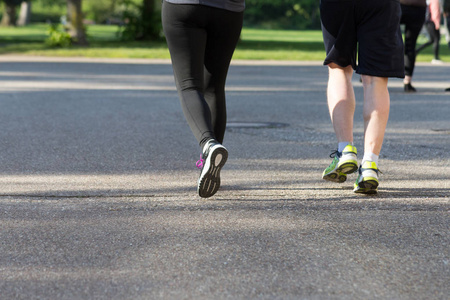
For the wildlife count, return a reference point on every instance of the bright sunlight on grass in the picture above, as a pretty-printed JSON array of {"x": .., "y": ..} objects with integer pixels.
[{"x": 255, "y": 44}]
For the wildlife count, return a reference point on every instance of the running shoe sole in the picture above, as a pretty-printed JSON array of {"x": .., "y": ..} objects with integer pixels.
[
  {"x": 340, "y": 173},
  {"x": 368, "y": 185},
  {"x": 335, "y": 177},
  {"x": 347, "y": 167},
  {"x": 209, "y": 180},
  {"x": 367, "y": 181}
]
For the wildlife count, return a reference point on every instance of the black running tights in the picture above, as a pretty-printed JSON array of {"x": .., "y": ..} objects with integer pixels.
[
  {"x": 201, "y": 41},
  {"x": 413, "y": 17},
  {"x": 435, "y": 38}
]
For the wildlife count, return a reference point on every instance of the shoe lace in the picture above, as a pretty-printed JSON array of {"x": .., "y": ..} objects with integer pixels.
[
  {"x": 200, "y": 162},
  {"x": 334, "y": 154}
]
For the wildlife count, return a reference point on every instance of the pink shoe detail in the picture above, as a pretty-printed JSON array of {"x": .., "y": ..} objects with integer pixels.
[{"x": 200, "y": 162}]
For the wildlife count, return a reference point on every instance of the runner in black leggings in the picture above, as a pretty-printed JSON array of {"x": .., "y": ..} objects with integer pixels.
[
  {"x": 435, "y": 38},
  {"x": 413, "y": 16},
  {"x": 432, "y": 24},
  {"x": 201, "y": 39}
]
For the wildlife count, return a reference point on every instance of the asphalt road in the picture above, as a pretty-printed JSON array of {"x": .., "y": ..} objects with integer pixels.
[{"x": 98, "y": 188}]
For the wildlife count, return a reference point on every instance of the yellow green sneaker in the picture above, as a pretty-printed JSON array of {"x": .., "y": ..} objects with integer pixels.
[
  {"x": 367, "y": 181},
  {"x": 343, "y": 163}
]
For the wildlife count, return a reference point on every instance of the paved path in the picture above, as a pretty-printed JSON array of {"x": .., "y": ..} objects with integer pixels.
[{"x": 97, "y": 188}]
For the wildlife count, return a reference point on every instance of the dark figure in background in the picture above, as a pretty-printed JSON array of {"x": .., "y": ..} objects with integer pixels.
[
  {"x": 446, "y": 10},
  {"x": 413, "y": 17},
  {"x": 432, "y": 24}
]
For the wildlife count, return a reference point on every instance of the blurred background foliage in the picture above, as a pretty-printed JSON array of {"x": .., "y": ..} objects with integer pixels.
[
  {"x": 270, "y": 14},
  {"x": 282, "y": 14}
]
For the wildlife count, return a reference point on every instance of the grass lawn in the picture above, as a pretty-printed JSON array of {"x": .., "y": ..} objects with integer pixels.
[{"x": 255, "y": 44}]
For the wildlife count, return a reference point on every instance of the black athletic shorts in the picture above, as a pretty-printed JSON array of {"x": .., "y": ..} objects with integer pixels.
[{"x": 370, "y": 28}]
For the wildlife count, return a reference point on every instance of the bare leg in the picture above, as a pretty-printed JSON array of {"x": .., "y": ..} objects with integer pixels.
[
  {"x": 341, "y": 101},
  {"x": 375, "y": 112},
  {"x": 407, "y": 79}
]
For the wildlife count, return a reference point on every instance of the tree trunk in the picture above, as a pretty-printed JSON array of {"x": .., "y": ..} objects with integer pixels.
[
  {"x": 75, "y": 22},
  {"x": 25, "y": 13},
  {"x": 9, "y": 15}
]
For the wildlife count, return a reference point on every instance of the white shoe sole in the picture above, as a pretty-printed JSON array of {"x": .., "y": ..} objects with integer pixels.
[{"x": 209, "y": 180}]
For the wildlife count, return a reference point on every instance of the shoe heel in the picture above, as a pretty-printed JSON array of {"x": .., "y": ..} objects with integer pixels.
[
  {"x": 209, "y": 181},
  {"x": 348, "y": 167},
  {"x": 219, "y": 157}
]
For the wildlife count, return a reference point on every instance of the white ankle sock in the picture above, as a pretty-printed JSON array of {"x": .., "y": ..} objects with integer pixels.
[
  {"x": 370, "y": 157},
  {"x": 342, "y": 145}
]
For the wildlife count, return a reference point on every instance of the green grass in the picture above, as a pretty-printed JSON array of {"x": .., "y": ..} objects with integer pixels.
[
  {"x": 254, "y": 44},
  {"x": 280, "y": 45}
]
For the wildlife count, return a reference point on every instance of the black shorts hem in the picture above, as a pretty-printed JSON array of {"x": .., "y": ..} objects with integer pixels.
[
  {"x": 381, "y": 74},
  {"x": 340, "y": 64}
]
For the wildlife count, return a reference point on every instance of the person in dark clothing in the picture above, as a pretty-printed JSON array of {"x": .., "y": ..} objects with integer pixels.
[
  {"x": 432, "y": 24},
  {"x": 446, "y": 11},
  {"x": 413, "y": 17},
  {"x": 201, "y": 40}
]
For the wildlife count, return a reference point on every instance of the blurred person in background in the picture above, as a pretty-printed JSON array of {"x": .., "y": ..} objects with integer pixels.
[
  {"x": 433, "y": 25},
  {"x": 446, "y": 10},
  {"x": 413, "y": 17}
]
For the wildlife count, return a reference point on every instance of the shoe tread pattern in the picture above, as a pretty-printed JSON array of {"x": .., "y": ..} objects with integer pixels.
[{"x": 209, "y": 183}]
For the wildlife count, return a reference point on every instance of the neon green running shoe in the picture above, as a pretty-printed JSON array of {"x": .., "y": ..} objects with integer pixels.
[
  {"x": 343, "y": 163},
  {"x": 367, "y": 181}
]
